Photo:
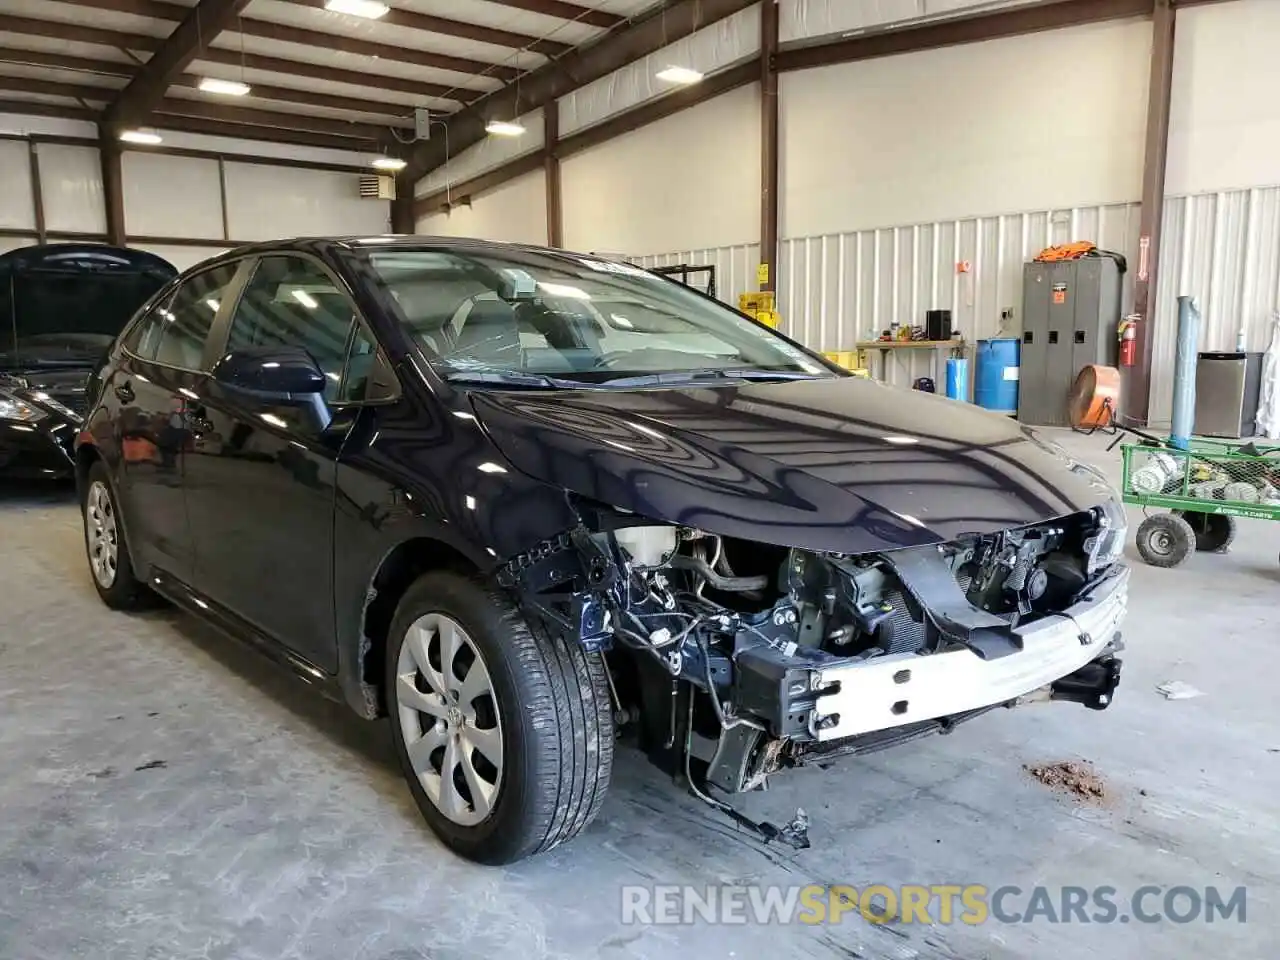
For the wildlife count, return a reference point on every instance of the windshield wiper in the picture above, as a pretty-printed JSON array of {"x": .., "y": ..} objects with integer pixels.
[
  {"x": 693, "y": 376},
  {"x": 507, "y": 378}
]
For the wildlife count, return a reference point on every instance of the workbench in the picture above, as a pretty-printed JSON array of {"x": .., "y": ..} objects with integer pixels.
[{"x": 941, "y": 349}]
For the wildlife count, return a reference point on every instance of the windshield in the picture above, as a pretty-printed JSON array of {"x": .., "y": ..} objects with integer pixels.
[
  {"x": 537, "y": 319},
  {"x": 55, "y": 317}
]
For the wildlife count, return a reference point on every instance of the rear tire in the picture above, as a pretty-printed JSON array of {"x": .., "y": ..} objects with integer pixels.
[
  {"x": 110, "y": 565},
  {"x": 528, "y": 740},
  {"x": 1214, "y": 532},
  {"x": 1165, "y": 540}
]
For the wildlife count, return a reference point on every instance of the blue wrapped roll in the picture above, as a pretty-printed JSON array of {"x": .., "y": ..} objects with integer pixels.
[{"x": 958, "y": 378}]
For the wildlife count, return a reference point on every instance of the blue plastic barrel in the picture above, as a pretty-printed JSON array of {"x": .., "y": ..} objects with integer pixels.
[
  {"x": 958, "y": 378},
  {"x": 995, "y": 381}
]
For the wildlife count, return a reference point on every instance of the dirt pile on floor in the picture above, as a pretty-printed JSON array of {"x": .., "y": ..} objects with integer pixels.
[{"x": 1075, "y": 778}]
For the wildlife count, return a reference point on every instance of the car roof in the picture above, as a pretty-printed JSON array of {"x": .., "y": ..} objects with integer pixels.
[{"x": 322, "y": 245}]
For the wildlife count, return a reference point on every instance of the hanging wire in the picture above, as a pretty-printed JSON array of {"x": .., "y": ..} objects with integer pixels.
[{"x": 596, "y": 7}]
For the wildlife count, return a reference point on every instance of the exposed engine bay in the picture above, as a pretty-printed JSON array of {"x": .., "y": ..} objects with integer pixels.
[{"x": 730, "y": 660}]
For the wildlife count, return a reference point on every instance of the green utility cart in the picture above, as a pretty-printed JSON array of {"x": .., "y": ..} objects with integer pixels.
[{"x": 1205, "y": 488}]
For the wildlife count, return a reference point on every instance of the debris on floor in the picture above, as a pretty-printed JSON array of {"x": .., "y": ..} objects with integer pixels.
[
  {"x": 1178, "y": 690},
  {"x": 153, "y": 765},
  {"x": 1076, "y": 778}
]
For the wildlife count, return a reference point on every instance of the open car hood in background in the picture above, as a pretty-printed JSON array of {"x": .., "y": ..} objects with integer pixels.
[
  {"x": 64, "y": 302},
  {"x": 843, "y": 465}
]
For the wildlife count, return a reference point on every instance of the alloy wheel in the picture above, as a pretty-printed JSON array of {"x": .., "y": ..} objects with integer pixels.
[
  {"x": 448, "y": 715},
  {"x": 101, "y": 533}
]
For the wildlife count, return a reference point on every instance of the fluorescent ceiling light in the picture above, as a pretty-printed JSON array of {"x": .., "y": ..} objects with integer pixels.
[
  {"x": 141, "y": 136},
  {"x": 389, "y": 163},
  {"x": 504, "y": 128},
  {"x": 369, "y": 9},
  {"x": 681, "y": 75},
  {"x": 306, "y": 299},
  {"x": 227, "y": 88}
]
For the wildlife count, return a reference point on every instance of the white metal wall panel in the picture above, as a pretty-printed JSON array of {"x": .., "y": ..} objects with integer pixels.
[
  {"x": 735, "y": 266},
  {"x": 686, "y": 182},
  {"x": 167, "y": 196},
  {"x": 16, "y": 208},
  {"x": 13, "y": 243},
  {"x": 272, "y": 203},
  {"x": 1224, "y": 122},
  {"x": 806, "y": 19},
  {"x": 183, "y": 257},
  {"x": 958, "y": 132},
  {"x": 515, "y": 212},
  {"x": 492, "y": 151},
  {"x": 22, "y": 125},
  {"x": 720, "y": 45},
  {"x": 261, "y": 148},
  {"x": 71, "y": 181},
  {"x": 837, "y": 289},
  {"x": 1224, "y": 250}
]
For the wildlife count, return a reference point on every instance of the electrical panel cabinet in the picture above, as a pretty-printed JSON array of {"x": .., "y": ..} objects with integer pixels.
[{"x": 1070, "y": 315}]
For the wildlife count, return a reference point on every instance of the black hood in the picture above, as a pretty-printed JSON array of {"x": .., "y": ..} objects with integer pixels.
[
  {"x": 843, "y": 464},
  {"x": 62, "y": 304}
]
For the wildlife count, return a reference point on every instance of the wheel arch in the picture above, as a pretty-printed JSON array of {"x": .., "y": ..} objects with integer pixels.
[
  {"x": 87, "y": 454},
  {"x": 399, "y": 568}
]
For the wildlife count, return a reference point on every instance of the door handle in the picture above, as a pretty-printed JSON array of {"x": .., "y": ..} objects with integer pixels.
[{"x": 125, "y": 392}]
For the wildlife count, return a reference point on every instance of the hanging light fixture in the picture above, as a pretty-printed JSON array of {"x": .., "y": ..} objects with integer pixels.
[
  {"x": 684, "y": 76},
  {"x": 369, "y": 9},
  {"x": 226, "y": 88}
]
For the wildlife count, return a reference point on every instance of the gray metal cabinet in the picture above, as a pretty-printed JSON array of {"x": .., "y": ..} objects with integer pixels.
[{"x": 1070, "y": 311}]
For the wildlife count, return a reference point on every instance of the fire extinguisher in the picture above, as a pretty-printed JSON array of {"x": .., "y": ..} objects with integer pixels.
[{"x": 1128, "y": 340}]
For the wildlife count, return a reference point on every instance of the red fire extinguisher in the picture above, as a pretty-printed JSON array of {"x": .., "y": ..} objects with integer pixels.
[{"x": 1128, "y": 340}]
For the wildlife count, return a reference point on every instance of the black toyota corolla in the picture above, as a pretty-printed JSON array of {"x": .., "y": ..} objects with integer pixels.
[{"x": 527, "y": 502}]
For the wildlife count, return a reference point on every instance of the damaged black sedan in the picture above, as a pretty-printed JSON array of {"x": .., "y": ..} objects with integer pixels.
[{"x": 530, "y": 504}]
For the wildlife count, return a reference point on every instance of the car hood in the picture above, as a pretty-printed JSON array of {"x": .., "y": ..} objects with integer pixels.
[{"x": 844, "y": 464}]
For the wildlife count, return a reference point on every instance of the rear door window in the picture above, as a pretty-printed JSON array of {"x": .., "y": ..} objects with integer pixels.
[
  {"x": 292, "y": 301},
  {"x": 144, "y": 336},
  {"x": 185, "y": 323}
]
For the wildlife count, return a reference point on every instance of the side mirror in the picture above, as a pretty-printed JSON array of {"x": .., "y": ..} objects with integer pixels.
[{"x": 271, "y": 373}]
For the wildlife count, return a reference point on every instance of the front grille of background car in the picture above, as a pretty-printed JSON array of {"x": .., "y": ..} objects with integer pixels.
[{"x": 75, "y": 400}]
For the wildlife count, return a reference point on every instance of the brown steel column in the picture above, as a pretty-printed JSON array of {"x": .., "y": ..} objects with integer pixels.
[
  {"x": 1137, "y": 386},
  {"x": 769, "y": 142},
  {"x": 555, "y": 201},
  {"x": 402, "y": 217},
  {"x": 112, "y": 185},
  {"x": 37, "y": 193}
]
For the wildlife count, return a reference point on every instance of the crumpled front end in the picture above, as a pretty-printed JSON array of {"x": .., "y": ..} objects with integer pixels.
[{"x": 735, "y": 659}]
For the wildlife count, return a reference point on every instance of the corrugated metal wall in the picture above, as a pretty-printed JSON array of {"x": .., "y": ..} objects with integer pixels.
[
  {"x": 735, "y": 266},
  {"x": 838, "y": 289},
  {"x": 1222, "y": 248}
]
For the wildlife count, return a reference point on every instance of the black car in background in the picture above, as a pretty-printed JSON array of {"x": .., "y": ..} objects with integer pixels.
[
  {"x": 525, "y": 501},
  {"x": 61, "y": 305}
]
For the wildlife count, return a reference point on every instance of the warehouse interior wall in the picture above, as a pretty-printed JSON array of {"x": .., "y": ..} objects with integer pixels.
[
  {"x": 689, "y": 181},
  {"x": 965, "y": 131},
  {"x": 947, "y": 171},
  {"x": 222, "y": 199},
  {"x": 515, "y": 212},
  {"x": 1221, "y": 236}
]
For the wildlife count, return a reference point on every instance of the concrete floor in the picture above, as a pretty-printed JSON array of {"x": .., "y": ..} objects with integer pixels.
[{"x": 168, "y": 794}]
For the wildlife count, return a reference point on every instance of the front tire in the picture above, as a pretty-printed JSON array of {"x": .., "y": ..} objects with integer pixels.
[
  {"x": 504, "y": 733},
  {"x": 110, "y": 565}
]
